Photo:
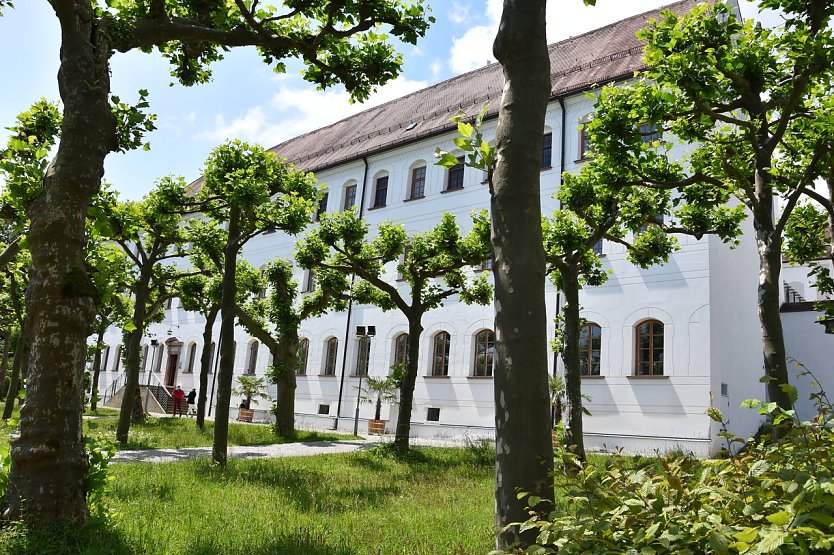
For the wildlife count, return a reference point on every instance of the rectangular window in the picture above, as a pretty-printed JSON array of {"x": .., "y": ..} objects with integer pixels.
[
  {"x": 418, "y": 182},
  {"x": 381, "y": 192},
  {"x": 455, "y": 179},
  {"x": 324, "y": 409},
  {"x": 433, "y": 414},
  {"x": 547, "y": 151},
  {"x": 350, "y": 197}
]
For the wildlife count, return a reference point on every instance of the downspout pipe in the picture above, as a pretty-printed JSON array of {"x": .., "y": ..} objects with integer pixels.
[
  {"x": 350, "y": 304},
  {"x": 563, "y": 134}
]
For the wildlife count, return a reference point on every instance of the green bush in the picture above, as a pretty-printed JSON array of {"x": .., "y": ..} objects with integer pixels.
[{"x": 769, "y": 497}]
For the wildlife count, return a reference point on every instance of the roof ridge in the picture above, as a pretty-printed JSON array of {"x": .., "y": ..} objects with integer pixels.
[{"x": 471, "y": 73}]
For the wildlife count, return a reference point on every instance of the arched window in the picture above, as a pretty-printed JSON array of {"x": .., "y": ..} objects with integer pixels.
[
  {"x": 322, "y": 206},
  {"x": 192, "y": 354},
  {"x": 301, "y": 360},
  {"x": 401, "y": 349},
  {"x": 159, "y": 351},
  {"x": 584, "y": 137},
  {"x": 417, "y": 187},
  {"x": 363, "y": 354},
  {"x": 211, "y": 356},
  {"x": 484, "y": 353},
  {"x": 380, "y": 191},
  {"x": 350, "y": 197},
  {"x": 331, "y": 348},
  {"x": 590, "y": 340},
  {"x": 105, "y": 354},
  {"x": 117, "y": 361},
  {"x": 547, "y": 149},
  {"x": 252, "y": 359},
  {"x": 454, "y": 176},
  {"x": 440, "y": 360},
  {"x": 144, "y": 358},
  {"x": 649, "y": 351}
]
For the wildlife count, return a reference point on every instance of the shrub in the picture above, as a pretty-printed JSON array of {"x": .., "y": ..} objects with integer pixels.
[{"x": 770, "y": 497}]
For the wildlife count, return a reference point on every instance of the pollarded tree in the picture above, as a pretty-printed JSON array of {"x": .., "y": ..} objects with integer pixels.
[
  {"x": 341, "y": 244},
  {"x": 250, "y": 191},
  {"x": 282, "y": 309},
  {"x": 605, "y": 201},
  {"x": 737, "y": 92},
  {"x": 151, "y": 235},
  {"x": 339, "y": 42}
]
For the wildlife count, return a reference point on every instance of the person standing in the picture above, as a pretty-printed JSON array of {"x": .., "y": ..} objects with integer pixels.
[
  {"x": 192, "y": 401},
  {"x": 178, "y": 395}
]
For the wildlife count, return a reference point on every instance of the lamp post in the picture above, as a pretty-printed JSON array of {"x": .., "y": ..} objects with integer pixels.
[
  {"x": 362, "y": 333},
  {"x": 154, "y": 343}
]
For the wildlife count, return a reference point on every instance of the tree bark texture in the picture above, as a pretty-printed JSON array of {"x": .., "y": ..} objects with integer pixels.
[
  {"x": 570, "y": 356},
  {"x": 524, "y": 449},
  {"x": 46, "y": 479},
  {"x": 97, "y": 368},
  {"x": 205, "y": 366},
  {"x": 133, "y": 349},
  {"x": 18, "y": 363},
  {"x": 403, "y": 433},
  {"x": 286, "y": 356},
  {"x": 228, "y": 313},
  {"x": 773, "y": 339}
]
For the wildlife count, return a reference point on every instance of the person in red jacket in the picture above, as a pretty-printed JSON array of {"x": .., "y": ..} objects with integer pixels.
[{"x": 178, "y": 395}]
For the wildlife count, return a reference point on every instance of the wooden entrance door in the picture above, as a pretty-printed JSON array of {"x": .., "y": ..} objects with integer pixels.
[{"x": 171, "y": 369}]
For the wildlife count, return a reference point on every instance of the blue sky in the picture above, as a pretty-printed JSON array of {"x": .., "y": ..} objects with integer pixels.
[{"x": 246, "y": 99}]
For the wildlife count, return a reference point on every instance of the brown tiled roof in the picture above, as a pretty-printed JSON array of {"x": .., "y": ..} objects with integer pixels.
[{"x": 597, "y": 57}]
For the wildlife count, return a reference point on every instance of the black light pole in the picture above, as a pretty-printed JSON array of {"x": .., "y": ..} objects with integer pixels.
[
  {"x": 361, "y": 332},
  {"x": 154, "y": 343}
]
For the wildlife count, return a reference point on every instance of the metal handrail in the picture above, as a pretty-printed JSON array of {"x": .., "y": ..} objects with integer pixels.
[{"x": 114, "y": 386}]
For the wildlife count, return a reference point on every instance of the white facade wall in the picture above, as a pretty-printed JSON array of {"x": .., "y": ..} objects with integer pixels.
[{"x": 641, "y": 414}]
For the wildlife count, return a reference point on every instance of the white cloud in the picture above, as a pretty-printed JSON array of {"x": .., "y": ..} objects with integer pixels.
[
  {"x": 459, "y": 13},
  {"x": 472, "y": 50},
  {"x": 297, "y": 108},
  {"x": 436, "y": 68}
]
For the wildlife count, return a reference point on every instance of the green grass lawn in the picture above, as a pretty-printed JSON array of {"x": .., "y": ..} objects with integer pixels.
[{"x": 435, "y": 501}]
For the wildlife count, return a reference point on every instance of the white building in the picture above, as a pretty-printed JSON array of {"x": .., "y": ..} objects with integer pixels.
[{"x": 700, "y": 308}]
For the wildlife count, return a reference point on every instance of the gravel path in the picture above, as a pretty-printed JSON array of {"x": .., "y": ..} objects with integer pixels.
[{"x": 299, "y": 449}]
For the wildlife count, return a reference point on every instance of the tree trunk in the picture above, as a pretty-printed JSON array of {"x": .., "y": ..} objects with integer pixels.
[
  {"x": 524, "y": 450},
  {"x": 228, "y": 312},
  {"x": 96, "y": 368},
  {"x": 4, "y": 365},
  {"x": 14, "y": 381},
  {"x": 46, "y": 479},
  {"x": 773, "y": 339},
  {"x": 570, "y": 355},
  {"x": 205, "y": 365},
  {"x": 378, "y": 412},
  {"x": 286, "y": 358},
  {"x": 403, "y": 433},
  {"x": 133, "y": 346}
]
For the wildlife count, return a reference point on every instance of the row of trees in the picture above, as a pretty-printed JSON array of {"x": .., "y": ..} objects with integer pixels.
[{"x": 755, "y": 103}]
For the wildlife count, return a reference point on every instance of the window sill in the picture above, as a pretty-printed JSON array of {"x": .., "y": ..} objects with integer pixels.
[
  {"x": 300, "y": 376},
  {"x": 593, "y": 377},
  {"x": 376, "y": 207},
  {"x": 436, "y": 377},
  {"x": 545, "y": 168},
  {"x": 414, "y": 198},
  {"x": 479, "y": 377},
  {"x": 327, "y": 375},
  {"x": 652, "y": 377},
  {"x": 444, "y": 191},
  {"x": 581, "y": 160}
]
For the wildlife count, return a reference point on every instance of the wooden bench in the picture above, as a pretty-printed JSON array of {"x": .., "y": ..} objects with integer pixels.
[{"x": 245, "y": 415}]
